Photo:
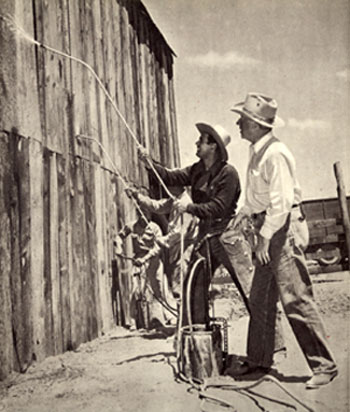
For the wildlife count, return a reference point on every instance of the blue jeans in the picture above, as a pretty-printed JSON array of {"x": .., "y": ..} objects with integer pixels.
[
  {"x": 233, "y": 250},
  {"x": 286, "y": 277},
  {"x": 234, "y": 254}
]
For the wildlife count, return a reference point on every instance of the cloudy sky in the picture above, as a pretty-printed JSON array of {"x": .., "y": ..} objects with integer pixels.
[{"x": 296, "y": 51}]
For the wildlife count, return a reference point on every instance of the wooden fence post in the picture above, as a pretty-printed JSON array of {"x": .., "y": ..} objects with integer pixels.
[{"x": 343, "y": 205}]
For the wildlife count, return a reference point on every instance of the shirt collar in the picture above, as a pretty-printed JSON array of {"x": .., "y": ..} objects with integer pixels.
[
  {"x": 257, "y": 146},
  {"x": 215, "y": 168}
]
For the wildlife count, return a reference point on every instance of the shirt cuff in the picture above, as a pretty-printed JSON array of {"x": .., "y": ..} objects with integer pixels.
[
  {"x": 191, "y": 208},
  {"x": 266, "y": 232},
  {"x": 244, "y": 210}
]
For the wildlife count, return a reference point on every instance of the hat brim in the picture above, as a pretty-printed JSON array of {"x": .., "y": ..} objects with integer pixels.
[
  {"x": 206, "y": 128},
  {"x": 238, "y": 108}
]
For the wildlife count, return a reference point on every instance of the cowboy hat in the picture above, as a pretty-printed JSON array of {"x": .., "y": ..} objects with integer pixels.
[
  {"x": 260, "y": 108},
  {"x": 219, "y": 134}
]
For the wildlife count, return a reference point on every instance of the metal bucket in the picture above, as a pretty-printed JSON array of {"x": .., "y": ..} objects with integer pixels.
[{"x": 201, "y": 351}]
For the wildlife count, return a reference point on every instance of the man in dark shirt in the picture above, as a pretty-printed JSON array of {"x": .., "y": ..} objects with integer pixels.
[{"x": 215, "y": 189}]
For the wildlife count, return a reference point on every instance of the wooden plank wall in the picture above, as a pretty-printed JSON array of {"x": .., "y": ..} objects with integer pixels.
[{"x": 61, "y": 201}]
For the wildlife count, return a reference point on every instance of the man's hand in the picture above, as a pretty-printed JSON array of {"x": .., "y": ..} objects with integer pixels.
[
  {"x": 131, "y": 192},
  {"x": 143, "y": 154},
  {"x": 181, "y": 204},
  {"x": 139, "y": 262},
  {"x": 262, "y": 250},
  {"x": 118, "y": 245},
  {"x": 161, "y": 241},
  {"x": 238, "y": 219}
]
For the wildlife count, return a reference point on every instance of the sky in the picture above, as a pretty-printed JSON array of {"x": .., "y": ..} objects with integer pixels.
[{"x": 296, "y": 51}]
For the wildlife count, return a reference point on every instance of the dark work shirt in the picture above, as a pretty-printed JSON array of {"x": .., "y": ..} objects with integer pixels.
[{"x": 215, "y": 192}]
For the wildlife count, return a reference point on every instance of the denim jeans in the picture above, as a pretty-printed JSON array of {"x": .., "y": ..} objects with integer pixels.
[
  {"x": 286, "y": 277},
  {"x": 232, "y": 249},
  {"x": 235, "y": 256}
]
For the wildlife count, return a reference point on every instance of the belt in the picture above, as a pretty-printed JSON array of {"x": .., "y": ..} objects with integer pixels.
[
  {"x": 216, "y": 220},
  {"x": 256, "y": 215}
]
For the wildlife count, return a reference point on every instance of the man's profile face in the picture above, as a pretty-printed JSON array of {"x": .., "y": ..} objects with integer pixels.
[
  {"x": 247, "y": 127},
  {"x": 203, "y": 147}
]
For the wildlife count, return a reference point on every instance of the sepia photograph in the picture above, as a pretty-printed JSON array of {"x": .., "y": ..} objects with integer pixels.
[{"x": 174, "y": 205}]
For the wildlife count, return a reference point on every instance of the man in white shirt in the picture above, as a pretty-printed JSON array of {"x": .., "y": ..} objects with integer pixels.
[{"x": 273, "y": 199}]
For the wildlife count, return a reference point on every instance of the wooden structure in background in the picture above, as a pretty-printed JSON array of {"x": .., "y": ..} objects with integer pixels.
[
  {"x": 327, "y": 245},
  {"x": 344, "y": 210},
  {"x": 60, "y": 201}
]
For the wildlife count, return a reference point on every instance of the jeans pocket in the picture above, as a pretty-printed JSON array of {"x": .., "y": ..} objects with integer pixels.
[{"x": 239, "y": 254}]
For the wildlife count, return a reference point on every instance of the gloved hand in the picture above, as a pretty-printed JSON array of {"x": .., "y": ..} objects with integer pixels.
[
  {"x": 161, "y": 241},
  {"x": 131, "y": 192},
  {"x": 139, "y": 262},
  {"x": 181, "y": 204},
  {"x": 118, "y": 245},
  {"x": 143, "y": 154},
  {"x": 238, "y": 219}
]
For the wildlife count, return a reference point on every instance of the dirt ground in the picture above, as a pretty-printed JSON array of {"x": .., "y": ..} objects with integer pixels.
[{"x": 130, "y": 371}]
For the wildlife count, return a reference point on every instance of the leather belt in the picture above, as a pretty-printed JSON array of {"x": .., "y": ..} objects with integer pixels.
[{"x": 256, "y": 215}]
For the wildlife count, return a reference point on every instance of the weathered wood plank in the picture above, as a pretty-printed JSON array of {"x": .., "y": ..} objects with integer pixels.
[
  {"x": 89, "y": 81},
  {"x": 79, "y": 250},
  {"x": 74, "y": 331},
  {"x": 105, "y": 280},
  {"x": 101, "y": 130},
  {"x": 153, "y": 100},
  {"x": 129, "y": 113},
  {"x": 19, "y": 107},
  {"x": 6, "y": 337},
  {"x": 104, "y": 318},
  {"x": 173, "y": 122},
  {"x": 14, "y": 249},
  {"x": 48, "y": 319},
  {"x": 78, "y": 75},
  {"x": 91, "y": 273},
  {"x": 63, "y": 258},
  {"x": 53, "y": 71},
  {"x": 22, "y": 173},
  {"x": 136, "y": 88},
  {"x": 113, "y": 72},
  {"x": 19, "y": 214},
  {"x": 37, "y": 250},
  {"x": 143, "y": 50},
  {"x": 168, "y": 135},
  {"x": 54, "y": 256}
]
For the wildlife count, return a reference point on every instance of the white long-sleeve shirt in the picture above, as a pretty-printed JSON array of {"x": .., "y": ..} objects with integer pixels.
[{"x": 271, "y": 184}]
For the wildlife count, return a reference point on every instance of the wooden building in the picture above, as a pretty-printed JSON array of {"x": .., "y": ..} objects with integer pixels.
[{"x": 61, "y": 201}]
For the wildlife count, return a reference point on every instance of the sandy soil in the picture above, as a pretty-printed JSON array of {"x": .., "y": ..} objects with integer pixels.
[{"x": 130, "y": 371}]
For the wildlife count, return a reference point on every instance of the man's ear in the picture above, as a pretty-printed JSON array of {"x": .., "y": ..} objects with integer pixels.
[{"x": 214, "y": 146}]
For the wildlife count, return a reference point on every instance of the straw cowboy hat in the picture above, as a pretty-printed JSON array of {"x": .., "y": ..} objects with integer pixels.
[
  {"x": 219, "y": 134},
  {"x": 260, "y": 108}
]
